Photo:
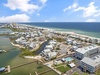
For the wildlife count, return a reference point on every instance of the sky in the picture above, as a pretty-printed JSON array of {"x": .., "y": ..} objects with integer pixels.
[{"x": 49, "y": 10}]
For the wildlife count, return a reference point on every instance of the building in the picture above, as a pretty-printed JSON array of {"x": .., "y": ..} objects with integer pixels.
[
  {"x": 90, "y": 64},
  {"x": 80, "y": 53},
  {"x": 51, "y": 55},
  {"x": 69, "y": 41},
  {"x": 93, "y": 40},
  {"x": 45, "y": 51},
  {"x": 74, "y": 48},
  {"x": 49, "y": 47}
]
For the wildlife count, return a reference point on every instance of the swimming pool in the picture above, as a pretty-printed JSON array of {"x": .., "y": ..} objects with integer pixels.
[{"x": 68, "y": 59}]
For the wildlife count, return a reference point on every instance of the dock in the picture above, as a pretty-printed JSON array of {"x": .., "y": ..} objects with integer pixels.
[{"x": 8, "y": 69}]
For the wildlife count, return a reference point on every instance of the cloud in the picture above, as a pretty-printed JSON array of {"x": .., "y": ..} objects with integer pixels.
[
  {"x": 91, "y": 20},
  {"x": 52, "y": 19},
  {"x": 24, "y": 5},
  {"x": 15, "y": 18},
  {"x": 90, "y": 11},
  {"x": 43, "y": 1},
  {"x": 75, "y": 5}
]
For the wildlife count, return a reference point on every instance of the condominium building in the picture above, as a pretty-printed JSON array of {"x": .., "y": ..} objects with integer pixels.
[
  {"x": 86, "y": 51},
  {"x": 90, "y": 64}
]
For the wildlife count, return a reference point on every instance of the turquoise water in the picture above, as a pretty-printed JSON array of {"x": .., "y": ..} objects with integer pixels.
[
  {"x": 68, "y": 59},
  {"x": 89, "y": 29}
]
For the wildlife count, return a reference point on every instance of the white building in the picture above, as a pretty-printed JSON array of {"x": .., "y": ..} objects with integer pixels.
[
  {"x": 90, "y": 64},
  {"x": 51, "y": 55},
  {"x": 45, "y": 51},
  {"x": 49, "y": 47},
  {"x": 86, "y": 51},
  {"x": 52, "y": 42},
  {"x": 74, "y": 48},
  {"x": 93, "y": 40},
  {"x": 69, "y": 41},
  {"x": 32, "y": 45}
]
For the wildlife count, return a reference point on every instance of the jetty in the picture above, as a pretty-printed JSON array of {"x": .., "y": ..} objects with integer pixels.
[{"x": 8, "y": 69}]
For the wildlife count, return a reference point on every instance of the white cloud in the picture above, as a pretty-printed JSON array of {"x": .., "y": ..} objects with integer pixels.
[
  {"x": 75, "y": 5},
  {"x": 15, "y": 18},
  {"x": 52, "y": 19},
  {"x": 91, "y": 20},
  {"x": 90, "y": 11},
  {"x": 24, "y": 5},
  {"x": 79, "y": 8},
  {"x": 43, "y": 1}
]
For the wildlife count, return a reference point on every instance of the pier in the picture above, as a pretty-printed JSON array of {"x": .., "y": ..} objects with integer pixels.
[
  {"x": 22, "y": 64},
  {"x": 8, "y": 68}
]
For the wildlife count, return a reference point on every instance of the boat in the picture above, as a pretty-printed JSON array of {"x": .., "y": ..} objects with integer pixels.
[
  {"x": 2, "y": 51},
  {"x": 2, "y": 69}
]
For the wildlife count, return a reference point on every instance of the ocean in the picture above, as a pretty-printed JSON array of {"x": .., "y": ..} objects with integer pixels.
[{"x": 86, "y": 28}]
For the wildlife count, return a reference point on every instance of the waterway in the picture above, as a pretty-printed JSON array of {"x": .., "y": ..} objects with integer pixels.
[
  {"x": 11, "y": 57},
  {"x": 4, "y": 30},
  {"x": 42, "y": 47}
]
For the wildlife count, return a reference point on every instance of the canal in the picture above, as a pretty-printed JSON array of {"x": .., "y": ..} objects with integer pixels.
[{"x": 42, "y": 47}]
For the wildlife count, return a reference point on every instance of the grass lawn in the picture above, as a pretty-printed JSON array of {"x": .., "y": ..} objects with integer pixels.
[
  {"x": 98, "y": 72},
  {"x": 85, "y": 74},
  {"x": 76, "y": 73},
  {"x": 63, "y": 68}
]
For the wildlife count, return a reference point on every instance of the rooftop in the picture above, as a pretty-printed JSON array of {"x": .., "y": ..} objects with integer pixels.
[
  {"x": 95, "y": 61},
  {"x": 86, "y": 49}
]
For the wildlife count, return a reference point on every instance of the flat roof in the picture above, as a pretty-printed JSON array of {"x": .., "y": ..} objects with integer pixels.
[
  {"x": 94, "y": 61},
  {"x": 86, "y": 49}
]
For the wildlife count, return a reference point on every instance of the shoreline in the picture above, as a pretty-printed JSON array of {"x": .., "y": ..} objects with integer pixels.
[{"x": 61, "y": 31}]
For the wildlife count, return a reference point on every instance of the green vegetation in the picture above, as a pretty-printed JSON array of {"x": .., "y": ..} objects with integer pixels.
[
  {"x": 75, "y": 73},
  {"x": 85, "y": 74},
  {"x": 98, "y": 72},
  {"x": 63, "y": 69},
  {"x": 60, "y": 39},
  {"x": 26, "y": 52},
  {"x": 4, "y": 34},
  {"x": 57, "y": 48},
  {"x": 39, "y": 67},
  {"x": 53, "y": 58}
]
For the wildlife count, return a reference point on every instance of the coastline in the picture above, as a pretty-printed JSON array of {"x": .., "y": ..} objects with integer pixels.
[{"x": 60, "y": 31}]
